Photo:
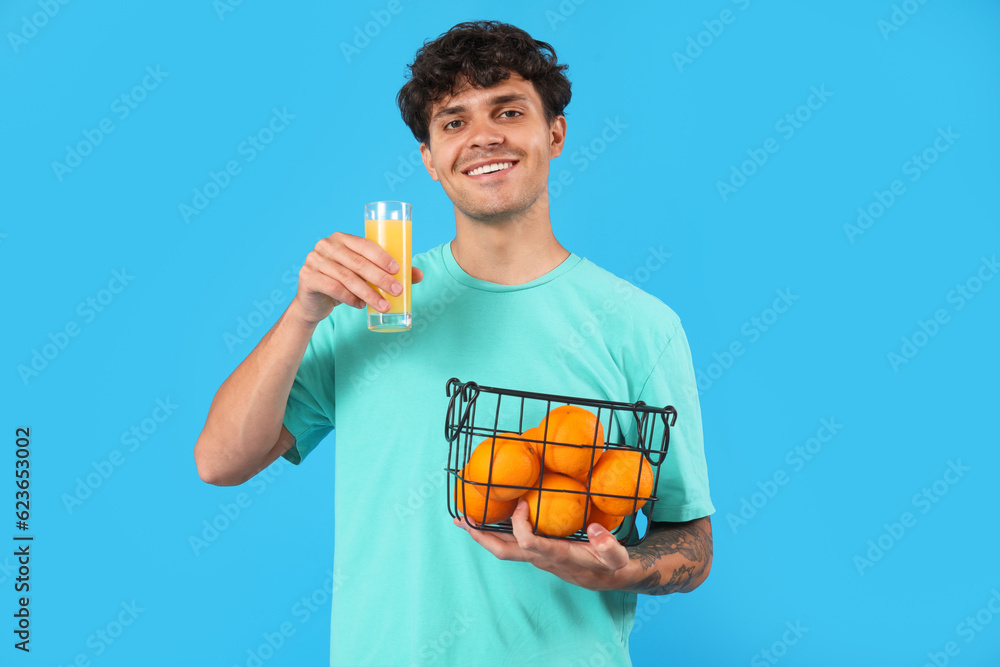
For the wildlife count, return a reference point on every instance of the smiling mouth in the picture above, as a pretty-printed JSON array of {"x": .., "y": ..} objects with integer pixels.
[{"x": 490, "y": 168}]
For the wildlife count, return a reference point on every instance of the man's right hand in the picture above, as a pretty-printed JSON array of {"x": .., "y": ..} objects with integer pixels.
[
  {"x": 339, "y": 270},
  {"x": 244, "y": 432}
]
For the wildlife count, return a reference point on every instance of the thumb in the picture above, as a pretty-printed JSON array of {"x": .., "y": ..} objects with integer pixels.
[
  {"x": 608, "y": 550},
  {"x": 417, "y": 274}
]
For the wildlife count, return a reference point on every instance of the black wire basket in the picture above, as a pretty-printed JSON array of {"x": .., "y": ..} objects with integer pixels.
[{"x": 478, "y": 413}]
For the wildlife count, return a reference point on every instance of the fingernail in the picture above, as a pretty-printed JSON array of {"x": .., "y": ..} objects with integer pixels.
[
  {"x": 393, "y": 267},
  {"x": 397, "y": 289},
  {"x": 383, "y": 304}
]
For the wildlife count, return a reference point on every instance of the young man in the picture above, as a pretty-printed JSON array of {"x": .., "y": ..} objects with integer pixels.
[{"x": 496, "y": 305}]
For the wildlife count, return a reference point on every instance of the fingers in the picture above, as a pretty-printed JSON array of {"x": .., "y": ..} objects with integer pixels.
[
  {"x": 348, "y": 268},
  {"x": 603, "y": 551},
  {"x": 566, "y": 559},
  {"x": 547, "y": 553},
  {"x": 322, "y": 275},
  {"x": 375, "y": 255},
  {"x": 506, "y": 537},
  {"x": 344, "y": 268},
  {"x": 607, "y": 548},
  {"x": 365, "y": 265},
  {"x": 523, "y": 530},
  {"x": 500, "y": 545}
]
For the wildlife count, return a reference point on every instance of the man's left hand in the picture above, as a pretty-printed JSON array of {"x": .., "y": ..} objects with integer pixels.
[{"x": 599, "y": 565}]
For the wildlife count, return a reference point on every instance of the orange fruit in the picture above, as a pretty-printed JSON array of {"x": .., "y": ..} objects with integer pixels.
[
  {"x": 558, "y": 513},
  {"x": 597, "y": 515},
  {"x": 619, "y": 472},
  {"x": 514, "y": 461},
  {"x": 476, "y": 506},
  {"x": 533, "y": 437},
  {"x": 572, "y": 425}
]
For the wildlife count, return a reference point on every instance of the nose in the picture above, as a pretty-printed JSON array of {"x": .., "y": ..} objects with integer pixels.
[{"x": 485, "y": 134}]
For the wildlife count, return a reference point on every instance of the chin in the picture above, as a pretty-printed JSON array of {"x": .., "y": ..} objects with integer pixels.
[
  {"x": 495, "y": 215},
  {"x": 497, "y": 212}
]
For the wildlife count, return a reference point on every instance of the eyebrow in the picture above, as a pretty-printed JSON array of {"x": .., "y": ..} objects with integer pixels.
[{"x": 495, "y": 101}]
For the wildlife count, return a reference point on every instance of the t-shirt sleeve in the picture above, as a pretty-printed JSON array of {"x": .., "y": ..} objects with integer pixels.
[
  {"x": 682, "y": 488},
  {"x": 309, "y": 412}
]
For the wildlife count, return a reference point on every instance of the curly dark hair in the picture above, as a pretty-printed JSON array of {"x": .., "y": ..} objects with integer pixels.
[{"x": 484, "y": 53}]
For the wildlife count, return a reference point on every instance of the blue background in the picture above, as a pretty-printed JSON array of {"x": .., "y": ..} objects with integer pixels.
[{"x": 786, "y": 555}]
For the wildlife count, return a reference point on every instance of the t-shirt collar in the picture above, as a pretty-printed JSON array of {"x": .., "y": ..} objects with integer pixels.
[{"x": 461, "y": 276}]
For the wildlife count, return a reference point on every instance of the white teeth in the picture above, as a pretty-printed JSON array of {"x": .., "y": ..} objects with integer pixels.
[{"x": 489, "y": 168}]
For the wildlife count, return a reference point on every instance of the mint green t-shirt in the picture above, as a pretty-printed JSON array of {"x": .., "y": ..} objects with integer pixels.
[{"x": 414, "y": 588}]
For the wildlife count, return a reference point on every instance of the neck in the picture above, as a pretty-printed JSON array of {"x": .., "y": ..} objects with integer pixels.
[{"x": 511, "y": 252}]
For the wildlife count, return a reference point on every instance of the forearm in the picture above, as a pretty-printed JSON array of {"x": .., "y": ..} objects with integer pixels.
[
  {"x": 244, "y": 421},
  {"x": 674, "y": 558}
]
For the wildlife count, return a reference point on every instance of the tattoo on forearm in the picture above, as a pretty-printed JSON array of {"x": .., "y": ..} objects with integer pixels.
[{"x": 692, "y": 540}]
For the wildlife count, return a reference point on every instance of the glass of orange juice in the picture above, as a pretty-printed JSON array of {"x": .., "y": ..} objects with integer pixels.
[{"x": 389, "y": 224}]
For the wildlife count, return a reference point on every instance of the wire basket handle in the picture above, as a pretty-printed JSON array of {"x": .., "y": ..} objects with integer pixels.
[
  {"x": 669, "y": 417},
  {"x": 466, "y": 394}
]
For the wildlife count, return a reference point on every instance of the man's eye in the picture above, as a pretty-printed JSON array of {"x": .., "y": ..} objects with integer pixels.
[
  {"x": 511, "y": 111},
  {"x": 452, "y": 125}
]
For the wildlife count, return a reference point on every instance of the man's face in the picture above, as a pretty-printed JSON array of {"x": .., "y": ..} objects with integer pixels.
[{"x": 503, "y": 126}]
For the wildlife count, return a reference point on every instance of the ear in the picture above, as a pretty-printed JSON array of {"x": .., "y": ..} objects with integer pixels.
[
  {"x": 557, "y": 136},
  {"x": 425, "y": 155}
]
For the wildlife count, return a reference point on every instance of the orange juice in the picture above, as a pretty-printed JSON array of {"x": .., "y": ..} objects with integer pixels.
[{"x": 394, "y": 236}]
